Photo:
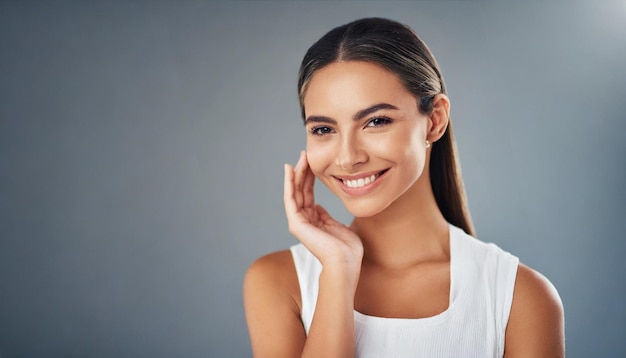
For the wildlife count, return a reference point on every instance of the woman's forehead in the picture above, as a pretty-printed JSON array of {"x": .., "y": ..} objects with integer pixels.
[{"x": 353, "y": 85}]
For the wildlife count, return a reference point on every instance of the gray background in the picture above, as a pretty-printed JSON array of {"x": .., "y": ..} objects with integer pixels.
[{"x": 142, "y": 143}]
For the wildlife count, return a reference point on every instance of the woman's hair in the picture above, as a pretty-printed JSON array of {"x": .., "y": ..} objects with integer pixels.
[{"x": 397, "y": 48}]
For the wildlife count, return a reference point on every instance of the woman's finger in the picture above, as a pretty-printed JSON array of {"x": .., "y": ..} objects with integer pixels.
[
  {"x": 324, "y": 215},
  {"x": 288, "y": 195},
  {"x": 299, "y": 171},
  {"x": 308, "y": 187}
]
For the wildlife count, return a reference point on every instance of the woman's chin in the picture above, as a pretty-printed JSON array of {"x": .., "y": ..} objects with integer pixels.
[{"x": 363, "y": 209}]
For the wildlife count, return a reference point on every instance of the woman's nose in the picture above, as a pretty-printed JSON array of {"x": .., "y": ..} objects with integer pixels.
[{"x": 351, "y": 154}]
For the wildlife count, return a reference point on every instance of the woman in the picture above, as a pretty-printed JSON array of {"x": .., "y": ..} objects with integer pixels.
[{"x": 405, "y": 278}]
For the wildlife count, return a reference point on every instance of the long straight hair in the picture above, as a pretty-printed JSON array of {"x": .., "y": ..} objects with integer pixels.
[{"x": 399, "y": 49}]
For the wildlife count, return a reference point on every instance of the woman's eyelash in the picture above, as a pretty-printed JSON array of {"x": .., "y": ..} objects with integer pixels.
[
  {"x": 378, "y": 122},
  {"x": 374, "y": 122},
  {"x": 321, "y": 130}
]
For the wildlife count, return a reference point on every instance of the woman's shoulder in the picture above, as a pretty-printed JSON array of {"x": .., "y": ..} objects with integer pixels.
[
  {"x": 272, "y": 305},
  {"x": 535, "y": 326},
  {"x": 275, "y": 269},
  {"x": 532, "y": 290},
  {"x": 536, "y": 322},
  {"x": 271, "y": 290},
  {"x": 535, "y": 299}
]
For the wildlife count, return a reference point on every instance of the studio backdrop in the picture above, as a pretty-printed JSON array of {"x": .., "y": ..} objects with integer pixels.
[{"x": 142, "y": 146}]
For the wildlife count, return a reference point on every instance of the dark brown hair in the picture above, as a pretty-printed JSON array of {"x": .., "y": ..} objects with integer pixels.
[{"x": 399, "y": 49}]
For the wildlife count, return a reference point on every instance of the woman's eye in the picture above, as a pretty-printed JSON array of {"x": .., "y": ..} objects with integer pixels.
[
  {"x": 378, "y": 122},
  {"x": 322, "y": 130}
]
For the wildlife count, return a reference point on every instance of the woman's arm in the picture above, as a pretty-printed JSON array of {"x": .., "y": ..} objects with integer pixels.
[
  {"x": 272, "y": 304},
  {"x": 536, "y": 327},
  {"x": 272, "y": 307}
]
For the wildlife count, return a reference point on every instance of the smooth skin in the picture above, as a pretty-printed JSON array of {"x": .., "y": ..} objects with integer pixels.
[{"x": 398, "y": 234}]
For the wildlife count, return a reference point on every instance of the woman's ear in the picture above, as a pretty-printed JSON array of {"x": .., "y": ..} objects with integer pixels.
[{"x": 439, "y": 118}]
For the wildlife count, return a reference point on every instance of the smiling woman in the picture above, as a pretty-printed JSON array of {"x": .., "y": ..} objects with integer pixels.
[
  {"x": 385, "y": 140},
  {"x": 405, "y": 278}
]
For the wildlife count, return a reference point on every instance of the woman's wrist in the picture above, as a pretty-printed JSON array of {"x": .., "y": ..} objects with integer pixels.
[{"x": 342, "y": 275}]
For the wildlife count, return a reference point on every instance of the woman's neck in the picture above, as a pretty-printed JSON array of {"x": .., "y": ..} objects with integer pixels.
[{"x": 411, "y": 230}]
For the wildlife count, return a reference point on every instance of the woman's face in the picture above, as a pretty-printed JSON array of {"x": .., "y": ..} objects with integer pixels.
[{"x": 366, "y": 140}]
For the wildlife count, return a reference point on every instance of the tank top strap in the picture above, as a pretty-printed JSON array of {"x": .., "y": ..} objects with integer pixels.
[{"x": 308, "y": 269}]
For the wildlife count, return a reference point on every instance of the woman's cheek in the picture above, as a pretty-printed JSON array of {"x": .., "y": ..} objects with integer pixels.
[{"x": 316, "y": 158}]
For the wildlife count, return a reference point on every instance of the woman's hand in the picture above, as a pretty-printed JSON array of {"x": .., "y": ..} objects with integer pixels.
[
  {"x": 340, "y": 252},
  {"x": 330, "y": 241}
]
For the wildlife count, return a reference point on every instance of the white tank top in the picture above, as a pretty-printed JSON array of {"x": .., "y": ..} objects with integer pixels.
[{"x": 482, "y": 278}]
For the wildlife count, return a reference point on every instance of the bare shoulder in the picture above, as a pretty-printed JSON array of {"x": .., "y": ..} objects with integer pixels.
[
  {"x": 273, "y": 274},
  {"x": 272, "y": 304},
  {"x": 275, "y": 270},
  {"x": 535, "y": 327}
]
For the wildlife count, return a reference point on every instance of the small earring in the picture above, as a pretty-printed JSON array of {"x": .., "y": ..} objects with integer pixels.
[{"x": 427, "y": 144}]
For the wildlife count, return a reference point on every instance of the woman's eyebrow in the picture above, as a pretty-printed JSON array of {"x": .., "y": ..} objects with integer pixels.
[
  {"x": 369, "y": 110},
  {"x": 319, "y": 119},
  {"x": 357, "y": 117}
]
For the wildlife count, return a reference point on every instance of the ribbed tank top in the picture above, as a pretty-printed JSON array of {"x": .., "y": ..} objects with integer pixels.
[{"x": 482, "y": 278}]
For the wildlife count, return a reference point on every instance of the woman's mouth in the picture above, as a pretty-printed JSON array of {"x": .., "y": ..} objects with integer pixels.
[
  {"x": 362, "y": 182},
  {"x": 359, "y": 183}
]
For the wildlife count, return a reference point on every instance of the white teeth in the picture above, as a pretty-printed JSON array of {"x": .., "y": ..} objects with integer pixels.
[{"x": 359, "y": 183}]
